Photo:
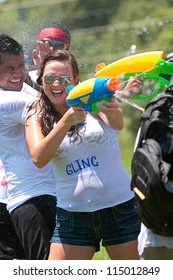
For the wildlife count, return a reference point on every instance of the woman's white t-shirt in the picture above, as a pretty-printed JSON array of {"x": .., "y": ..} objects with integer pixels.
[{"x": 90, "y": 174}]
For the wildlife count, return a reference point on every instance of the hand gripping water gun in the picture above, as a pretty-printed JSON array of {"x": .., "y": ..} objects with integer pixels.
[
  {"x": 148, "y": 65},
  {"x": 87, "y": 93}
]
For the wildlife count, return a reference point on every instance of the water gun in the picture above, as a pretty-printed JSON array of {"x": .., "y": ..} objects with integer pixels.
[
  {"x": 148, "y": 65},
  {"x": 89, "y": 92}
]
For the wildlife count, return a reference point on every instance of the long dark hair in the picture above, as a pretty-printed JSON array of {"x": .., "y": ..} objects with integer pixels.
[{"x": 46, "y": 113}]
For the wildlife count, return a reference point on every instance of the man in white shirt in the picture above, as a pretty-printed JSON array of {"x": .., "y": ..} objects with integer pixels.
[
  {"x": 12, "y": 77},
  {"x": 51, "y": 37},
  {"x": 14, "y": 102}
]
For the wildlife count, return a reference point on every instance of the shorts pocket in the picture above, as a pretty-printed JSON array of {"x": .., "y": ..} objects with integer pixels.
[{"x": 125, "y": 215}]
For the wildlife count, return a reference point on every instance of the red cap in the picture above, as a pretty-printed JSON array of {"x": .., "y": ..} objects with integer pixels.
[{"x": 54, "y": 33}]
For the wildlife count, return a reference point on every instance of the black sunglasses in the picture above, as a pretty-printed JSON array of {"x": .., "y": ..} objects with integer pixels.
[
  {"x": 63, "y": 80},
  {"x": 56, "y": 44}
]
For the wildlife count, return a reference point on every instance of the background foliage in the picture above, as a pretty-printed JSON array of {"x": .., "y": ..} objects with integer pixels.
[{"x": 102, "y": 31}]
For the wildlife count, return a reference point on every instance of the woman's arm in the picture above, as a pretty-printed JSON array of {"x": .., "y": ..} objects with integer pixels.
[
  {"x": 42, "y": 148},
  {"x": 111, "y": 113}
]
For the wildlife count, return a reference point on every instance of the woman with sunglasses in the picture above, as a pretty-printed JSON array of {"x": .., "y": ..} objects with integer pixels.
[{"x": 94, "y": 201}]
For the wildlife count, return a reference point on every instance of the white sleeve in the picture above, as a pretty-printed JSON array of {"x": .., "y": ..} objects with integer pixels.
[
  {"x": 29, "y": 90},
  {"x": 14, "y": 106}
]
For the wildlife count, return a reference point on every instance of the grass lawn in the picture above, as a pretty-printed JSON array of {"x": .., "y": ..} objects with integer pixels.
[{"x": 101, "y": 255}]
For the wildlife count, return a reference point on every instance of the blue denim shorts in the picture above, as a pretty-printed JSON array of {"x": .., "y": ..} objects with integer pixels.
[{"x": 112, "y": 226}]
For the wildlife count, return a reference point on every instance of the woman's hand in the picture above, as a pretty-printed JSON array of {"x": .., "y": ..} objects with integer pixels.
[
  {"x": 133, "y": 86},
  {"x": 111, "y": 113},
  {"x": 74, "y": 115}
]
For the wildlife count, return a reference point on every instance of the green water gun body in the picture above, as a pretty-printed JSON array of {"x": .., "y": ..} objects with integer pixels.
[{"x": 148, "y": 66}]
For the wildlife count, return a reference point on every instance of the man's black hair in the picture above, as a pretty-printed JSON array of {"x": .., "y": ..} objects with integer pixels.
[{"x": 8, "y": 45}]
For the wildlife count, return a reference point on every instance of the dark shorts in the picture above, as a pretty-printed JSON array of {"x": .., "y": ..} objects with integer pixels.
[
  {"x": 10, "y": 247},
  {"x": 112, "y": 226},
  {"x": 34, "y": 222}
]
